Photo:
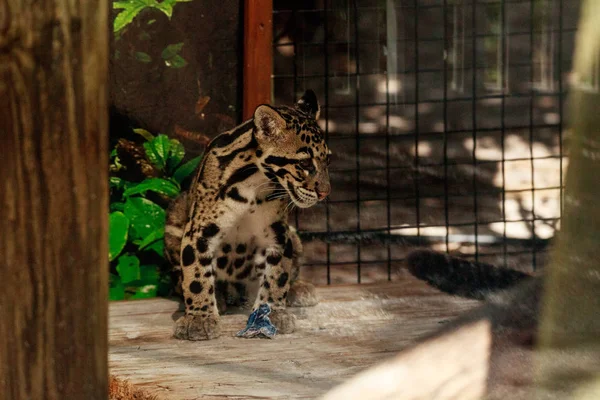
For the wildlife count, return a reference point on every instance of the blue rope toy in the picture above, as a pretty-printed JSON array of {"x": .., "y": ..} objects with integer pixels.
[{"x": 259, "y": 324}]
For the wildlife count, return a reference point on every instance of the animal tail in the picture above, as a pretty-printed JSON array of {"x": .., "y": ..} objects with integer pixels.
[{"x": 461, "y": 277}]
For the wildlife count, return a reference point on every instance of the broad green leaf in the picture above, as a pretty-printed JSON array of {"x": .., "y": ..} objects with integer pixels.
[
  {"x": 149, "y": 274},
  {"x": 157, "y": 150},
  {"x": 131, "y": 8},
  {"x": 116, "y": 290},
  {"x": 144, "y": 216},
  {"x": 186, "y": 169},
  {"x": 117, "y": 238},
  {"x": 113, "y": 153},
  {"x": 158, "y": 185},
  {"x": 158, "y": 246},
  {"x": 145, "y": 292},
  {"x": 176, "y": 62},
  {"x": 128, "y": 268},
  {"x": 171, "y": 51},
  {"x": 145, "y": 134},
  {"x": 166, "y": 6},
  {"x": 117, "y": 206},
  {"x": 176, "y": 154},
  {"x": 143, "y": 57},
  {"x": 158, "y": 234}
]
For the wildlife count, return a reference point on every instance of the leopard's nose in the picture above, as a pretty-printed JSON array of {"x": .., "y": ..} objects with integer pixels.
[{"x": 323, "y": 192}]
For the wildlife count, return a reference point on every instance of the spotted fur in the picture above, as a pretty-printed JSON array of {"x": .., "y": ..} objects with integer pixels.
[{"x": 229, "y": 236}]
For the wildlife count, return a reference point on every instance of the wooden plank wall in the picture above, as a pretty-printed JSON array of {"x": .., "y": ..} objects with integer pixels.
[
  {"x": 258, "y": 54},
  {"x": 53, "y": 199}
]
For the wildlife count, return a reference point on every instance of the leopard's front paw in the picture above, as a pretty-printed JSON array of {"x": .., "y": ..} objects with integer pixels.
[
  {"x": 302, "y": 294},
  {"x": 194, "y": 327},
  {"x": 284, "y": 320}
]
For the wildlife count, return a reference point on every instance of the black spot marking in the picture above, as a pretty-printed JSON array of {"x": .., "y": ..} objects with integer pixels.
[
  {"x": 259, "y": 153},
  {"x": 222, "y": 262},
  {"x": 204, "y": 308},
  {"x": 211, "y": 290},
  {"x": 274, "y": 259},
  {"x": 230, "y": 270},
  {"x": 210, "y": 230},
  {"x": 202, "y": 245},
  {"x": 208, "y": 274},
  {"x": 239, "y": 262},
  {"x": 197, "y": 275},
  {"x": 225, "y": 160},
  {"x": 271, "y": 300},
  {"x": 226, "y": 248},
  {"x": 187, "y": 256},
  {"x": 245, "y": 273},
  {"x": 283, "y": 278},
  {"x": 241, "y": 248},
  {"x": 234, "y": 194},
  {"x": 205, "y": 261},
  {"x": 266, "y": 285},
  {"x": 279, "y": 161},
  {"x": 279, "y": 229},
  {"x": 261, "y": 266},
  {"x": 289, "y": 249},
  {"x": 196, "y": 287},
  {"x": 188, "y": 301},
  {"x": 240, "y": 175}
]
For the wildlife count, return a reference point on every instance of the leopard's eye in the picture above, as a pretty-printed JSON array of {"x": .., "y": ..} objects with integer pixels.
[{"x": 306, "y": 164}]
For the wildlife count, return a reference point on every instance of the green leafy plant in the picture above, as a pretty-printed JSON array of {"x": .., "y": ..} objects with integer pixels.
[
  {"x": 128, "y": 10},
  {"x": 137, "y": 218},
  {"x": 131, "y": 8}
]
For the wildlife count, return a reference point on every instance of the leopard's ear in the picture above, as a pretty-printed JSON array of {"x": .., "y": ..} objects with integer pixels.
[
  {"x": 309, "y": 104},
  {"x": 270, "y": 125}
]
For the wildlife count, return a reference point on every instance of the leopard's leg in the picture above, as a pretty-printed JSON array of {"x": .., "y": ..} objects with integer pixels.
[
  {"x": 301, "y": 293},
  {"x": 201, "y": 319},
  {"x": 274, "y": 286}
]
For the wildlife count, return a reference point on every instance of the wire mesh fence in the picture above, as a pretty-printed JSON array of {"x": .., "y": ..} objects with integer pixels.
[{"x": 446, "y": 122}]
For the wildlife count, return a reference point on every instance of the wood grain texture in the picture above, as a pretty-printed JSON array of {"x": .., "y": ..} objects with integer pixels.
[
  {"x": 354, "y": 327},
  {"x": 53, "y": 199},
  {"x": 258, "y": 54}
]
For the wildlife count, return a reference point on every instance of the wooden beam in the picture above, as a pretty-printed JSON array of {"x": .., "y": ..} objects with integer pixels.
[
  {"x": 53, "y": 199},
  {"x": 258, "y": 54}
]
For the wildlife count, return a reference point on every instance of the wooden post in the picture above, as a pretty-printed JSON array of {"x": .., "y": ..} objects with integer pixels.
[
  {"x": 258, "y": 54},
  {"x": 571, "y": 316},
  {"x": 53, "y": 199}
]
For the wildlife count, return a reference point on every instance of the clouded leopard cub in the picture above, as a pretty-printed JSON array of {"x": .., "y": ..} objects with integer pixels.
[{"x": 234, "y": 237}]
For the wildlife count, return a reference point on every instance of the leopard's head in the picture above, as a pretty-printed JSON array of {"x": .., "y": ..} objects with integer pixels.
[{"x": 291, "y": 149}]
